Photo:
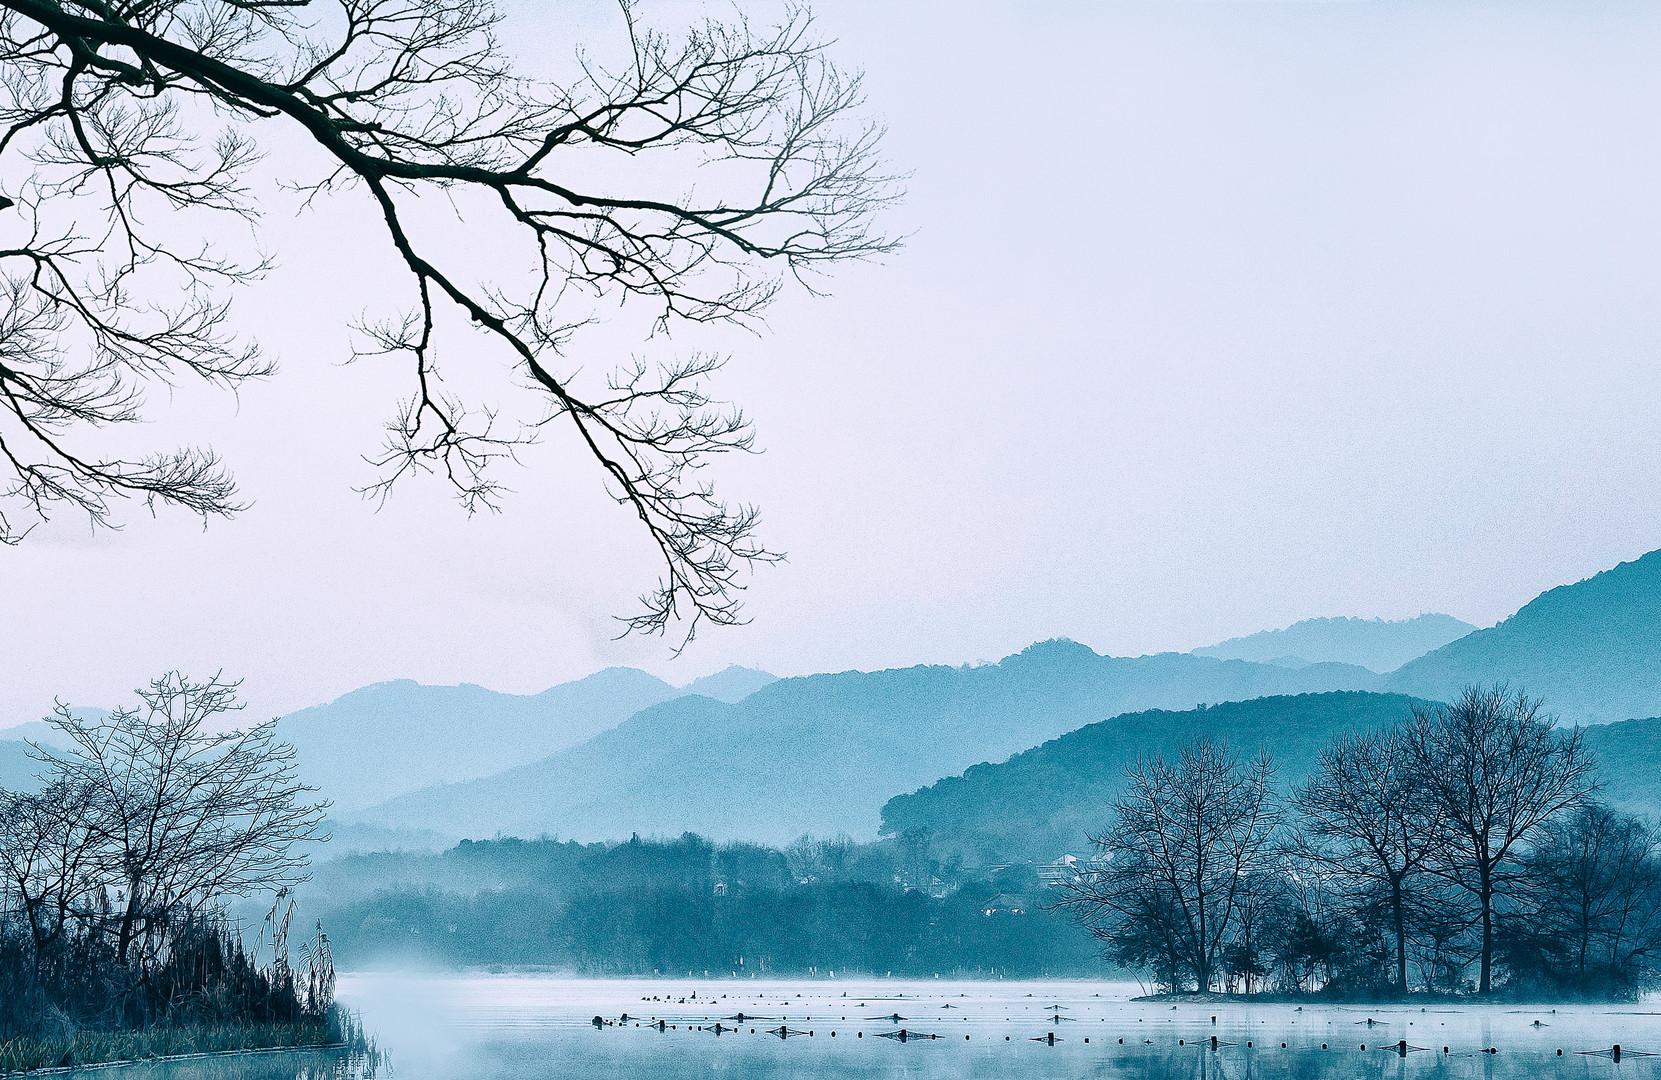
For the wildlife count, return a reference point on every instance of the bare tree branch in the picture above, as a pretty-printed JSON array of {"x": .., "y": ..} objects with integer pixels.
[{"x": 111, "y": 103}]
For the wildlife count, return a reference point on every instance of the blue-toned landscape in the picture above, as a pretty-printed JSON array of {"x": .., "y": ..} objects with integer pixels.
[{"x": 677, "y": 538}]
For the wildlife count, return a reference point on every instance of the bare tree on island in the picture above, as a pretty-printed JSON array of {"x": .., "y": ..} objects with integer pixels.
[
  {"x": 1188, "y": 836},
  {"x": 1365, "y": 817},
  {"x": 1495, "y": 769},
  {"x": 176, "y": 814},
  {"x": 134, "y": 127}
]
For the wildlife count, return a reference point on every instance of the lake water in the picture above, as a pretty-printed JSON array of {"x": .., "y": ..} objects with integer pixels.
[{"x": 506, "y": 1027}]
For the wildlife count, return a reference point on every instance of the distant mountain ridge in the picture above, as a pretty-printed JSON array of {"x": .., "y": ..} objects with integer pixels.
[
  {"x": 389, "y": 738},
  {"x": 730, "y": 684},
  {"x": 17, "y": 769},
  {"x": 822, "y": 753},
  {"x": 418, "y": 735},
  {"x": 1046, "y": 801},
  {"x": 1592, "y": 649},
  {"x": 1376, "y": 644}
]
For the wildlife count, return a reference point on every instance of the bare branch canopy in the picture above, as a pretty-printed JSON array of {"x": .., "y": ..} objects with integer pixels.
[{"x": 129, "y": 129}]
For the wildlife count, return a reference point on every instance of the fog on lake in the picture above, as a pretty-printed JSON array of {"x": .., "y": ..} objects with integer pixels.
[{"x": 498, "y": 1027}]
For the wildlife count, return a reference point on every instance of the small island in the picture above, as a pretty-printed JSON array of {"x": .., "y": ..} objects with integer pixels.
[
  {"x": 1458, "y": 852},
  {"x": 115, "y": 939}
]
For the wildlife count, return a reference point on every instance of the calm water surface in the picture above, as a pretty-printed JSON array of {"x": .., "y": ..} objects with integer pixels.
[{"x": 505, "y": 1027}]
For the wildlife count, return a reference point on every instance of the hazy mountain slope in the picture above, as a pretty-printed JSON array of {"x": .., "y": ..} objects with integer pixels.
[
  {"x": 822, "y": 753},
  {"x": 730, "y": 684},
  {"x": 17, "y": 769},
  {"x": 1628, "y": 753},
  {"x": 1377, "y": 644},
  {"x": 1592, "y": 649},
  {"x": 42, "y": 732},
  {"x": 1044, "y": 802},
  {"x": 390, "y": 738}
]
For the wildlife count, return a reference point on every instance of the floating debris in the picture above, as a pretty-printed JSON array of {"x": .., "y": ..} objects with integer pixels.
[
  {"x": 892, "y": 1018},
  {"x": 905, "y": 1035},
  {"x": 1615, "y": 1053},
  {"x": 785, "y": 1032}
]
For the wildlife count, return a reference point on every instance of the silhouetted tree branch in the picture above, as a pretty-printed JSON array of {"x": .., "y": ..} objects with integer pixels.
[{"x": 140, "y": 119}]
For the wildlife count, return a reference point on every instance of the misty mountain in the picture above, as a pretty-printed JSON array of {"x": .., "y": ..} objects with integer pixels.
[
  {"x": 42, "y": 732},
  {"x": 17, "y": 769},
  {"x": 730, "y": 684},
  {"x": 822, "y": 753},
  {"x": 394, "y": 737},
  {"x": 1592, "y": 650},
  {"x": 1628, "y": 753},
  {"x": 1044, "y": 802},
  {"x": 1376, "y": 644}
]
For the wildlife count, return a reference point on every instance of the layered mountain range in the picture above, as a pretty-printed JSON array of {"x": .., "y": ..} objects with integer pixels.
[{"x": 743, "y": 755}]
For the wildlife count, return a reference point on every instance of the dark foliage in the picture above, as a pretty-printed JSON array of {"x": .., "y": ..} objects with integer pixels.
[
  {"x": 672, "y": 907},
  {"x": 1460, "y": 851}
]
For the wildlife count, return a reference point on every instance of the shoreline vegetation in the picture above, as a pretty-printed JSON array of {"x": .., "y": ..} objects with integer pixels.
[
  {"x": 1460, "y": 854},
  {"x": 28, "y": 1055},
  {"x": 116, "y": 942},
  {"x": 1362, "y": 877}
]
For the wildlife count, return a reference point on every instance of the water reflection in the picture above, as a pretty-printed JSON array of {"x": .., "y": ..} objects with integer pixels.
[
  {"x": 297, "y": 1065},
  {"x": 528, "y": 1028}
]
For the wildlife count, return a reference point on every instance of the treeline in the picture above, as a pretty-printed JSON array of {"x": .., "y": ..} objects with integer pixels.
[
  {"x": 646, "y": 907},
  {"x": 1461, "y": 851},
  {"x": 113, "y": 876}
]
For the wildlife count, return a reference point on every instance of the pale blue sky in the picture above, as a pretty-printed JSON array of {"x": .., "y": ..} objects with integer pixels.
[{"x": 1215, "y": 316}]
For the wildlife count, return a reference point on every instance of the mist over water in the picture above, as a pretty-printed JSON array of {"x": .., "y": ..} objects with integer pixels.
[{"x": 517, "y": 1026}]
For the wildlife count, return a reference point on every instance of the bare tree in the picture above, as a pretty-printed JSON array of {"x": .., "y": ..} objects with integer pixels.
[
  {"x": 1187, "y": 836},
  {"x": 1590, "y": 900},
  {"x": 48, "y": 859},
  {"x": 134, "y": 125},
  {"x": 1495, "y": 769},
  {"x": 180, "y": 814},
  {"x": 1365, "y": 818}
]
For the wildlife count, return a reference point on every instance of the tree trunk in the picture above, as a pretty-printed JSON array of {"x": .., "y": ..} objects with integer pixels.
[
  {"x": 1485, "y": 982},
  {"x": 1400, "y": 921},
  {"x": 129, "y": 923}
]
